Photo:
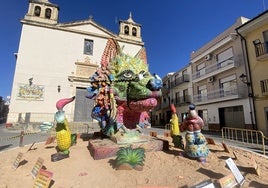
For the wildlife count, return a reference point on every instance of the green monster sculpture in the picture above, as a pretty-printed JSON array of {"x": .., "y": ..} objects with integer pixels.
[{"x": 124, "y": 92}]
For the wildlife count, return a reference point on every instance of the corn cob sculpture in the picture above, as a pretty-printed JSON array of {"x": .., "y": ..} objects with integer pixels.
[
  {"x": 63, "y": 133},
  {"x": 175, "y": 128}
]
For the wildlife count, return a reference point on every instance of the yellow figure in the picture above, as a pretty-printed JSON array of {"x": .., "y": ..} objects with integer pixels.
[
  {"x": 63, "y": 136},
  {"x": 174, "y": 121},
  {"x": 175, "y": 128},
  {"x": 63, "y": 133}
]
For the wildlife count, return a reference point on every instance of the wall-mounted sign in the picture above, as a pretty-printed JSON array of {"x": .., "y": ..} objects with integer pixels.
[{"x": 30, "y": 92}]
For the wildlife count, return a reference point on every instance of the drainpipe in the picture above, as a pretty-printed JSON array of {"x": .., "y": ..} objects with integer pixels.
[{"x": 250, "y": 88}]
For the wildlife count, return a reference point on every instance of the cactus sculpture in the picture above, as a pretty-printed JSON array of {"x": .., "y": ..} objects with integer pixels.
[
  {"x": 130, "y": 158},
  {"x": 63, "y": 133}
]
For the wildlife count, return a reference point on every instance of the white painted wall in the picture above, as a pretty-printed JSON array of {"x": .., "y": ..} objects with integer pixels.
[{"x": 49, "y": 56}]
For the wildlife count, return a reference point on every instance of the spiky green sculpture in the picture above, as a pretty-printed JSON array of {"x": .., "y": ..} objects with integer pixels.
[{"x": 129, "y": 158}]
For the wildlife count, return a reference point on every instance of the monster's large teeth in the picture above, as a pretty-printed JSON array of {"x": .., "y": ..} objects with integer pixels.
[{"x": 62, "y": 102}]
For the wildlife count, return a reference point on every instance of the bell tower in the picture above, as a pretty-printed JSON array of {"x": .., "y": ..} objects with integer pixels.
[
  {"x": 130, "y": 29},
  {"x": 42, "y": 11}
]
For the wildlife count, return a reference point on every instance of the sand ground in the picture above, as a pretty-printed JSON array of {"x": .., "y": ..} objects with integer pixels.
[{"x": 161, "y": 168}]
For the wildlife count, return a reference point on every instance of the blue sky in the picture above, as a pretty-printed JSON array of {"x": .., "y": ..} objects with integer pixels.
[{"x": 171, "y": 29}]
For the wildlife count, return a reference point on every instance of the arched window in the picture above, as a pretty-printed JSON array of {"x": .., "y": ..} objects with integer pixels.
[
  {"x": 126, "y": 30},
  {"x": 134, "y": 31},
  {"x": 48, "y": 13},
  {"x": 37, "y": 11}
]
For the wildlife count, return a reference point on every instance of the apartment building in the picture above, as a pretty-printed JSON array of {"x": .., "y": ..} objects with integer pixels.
[
  {"x": 218, "y": 93},
  {"x": 214, "y": 85},
  {"x": 254, "y": 38},
  {"x": 177, "y": 90}
]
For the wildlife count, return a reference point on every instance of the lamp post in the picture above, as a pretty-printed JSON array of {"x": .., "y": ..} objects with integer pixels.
[
  {"x": 30, "y": 81},
  {"x": 59, "y": 88},
  {"x": 244, "y": 79}
]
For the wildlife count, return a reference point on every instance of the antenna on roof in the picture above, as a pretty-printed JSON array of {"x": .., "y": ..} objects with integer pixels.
[{"x": 263, "y": 2}]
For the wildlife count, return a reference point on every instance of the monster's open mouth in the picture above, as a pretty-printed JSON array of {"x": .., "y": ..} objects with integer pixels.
[{"x": 141, "y": 105}]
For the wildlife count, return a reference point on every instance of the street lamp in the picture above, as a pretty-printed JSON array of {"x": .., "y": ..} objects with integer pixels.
[
  {"x": 30, "y": 81},
  {"x": 244, "y": 79},
  {"x": 59, "y": 88}
]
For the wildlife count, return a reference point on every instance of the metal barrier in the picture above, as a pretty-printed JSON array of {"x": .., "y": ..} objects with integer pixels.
[
  {"x": 84, "y": 128},
  {"x": 245, "y": 136}
]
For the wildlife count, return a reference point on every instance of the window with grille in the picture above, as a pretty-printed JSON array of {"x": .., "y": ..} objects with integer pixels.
[
  {"x": 201, "y": 69},
  {"x": 264, "y": 86},
  {"x": 225, "y": 58},
  {"x": 202, "y": 93},
  {"x": 185, "y": 95},
  {"x": 228, "y": 85},
  {"x": 177, "y": 101},
  {"x": 88, "y": 47}
]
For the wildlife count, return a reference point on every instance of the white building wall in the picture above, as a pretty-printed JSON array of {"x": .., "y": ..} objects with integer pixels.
[
  {"x": 48, "y": 56},
  {"x": 213, "y": 110}
]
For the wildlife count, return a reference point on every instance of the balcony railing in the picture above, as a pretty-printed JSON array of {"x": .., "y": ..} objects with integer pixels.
[
  {"x": 228, "y": 63},
  {"x": 182, "y": 100},
  {"x": 184, "y": 78},
  {"x": 261, "y": 50},
  {"x": 222, "y": 94}
]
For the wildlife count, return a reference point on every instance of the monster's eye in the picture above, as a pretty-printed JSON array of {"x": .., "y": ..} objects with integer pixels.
[
  {"x": 126, "y": 75},
  {"x": 143, "y": 74},
  {"x": 146, "y": 74}
]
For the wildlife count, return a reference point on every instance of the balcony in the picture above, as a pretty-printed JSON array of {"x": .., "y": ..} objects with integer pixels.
[
  {"x": 182, "y": 100},
  {"x": 222, "y": 95},
  {"x": 261, "y": 51},
  {"x": 180, "y": 80},
  {"x": 216, "y": 68}
]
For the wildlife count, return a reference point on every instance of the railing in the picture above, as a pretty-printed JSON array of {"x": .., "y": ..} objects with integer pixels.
[
  {"x": 228, "y": 63},
  {"x": 240, "y": 91},
  {"x": 261, "y": 49},
  {"x": 184, "y": 78},
  {"x": 245, "y": 136},
  {"x": 181, "y": 100},
  {"x": 79, "y": 128}
]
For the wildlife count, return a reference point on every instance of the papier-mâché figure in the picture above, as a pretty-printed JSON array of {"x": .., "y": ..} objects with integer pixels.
[
  {"x": 196, "y": 145},
  {"x": 124, "y": 92}
]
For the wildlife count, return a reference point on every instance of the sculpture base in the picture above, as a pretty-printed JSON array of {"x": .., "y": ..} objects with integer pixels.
[{"x": 105, "y": 148}]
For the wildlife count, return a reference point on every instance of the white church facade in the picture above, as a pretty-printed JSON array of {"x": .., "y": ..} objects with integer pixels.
[{"x": 55, "y": 61}]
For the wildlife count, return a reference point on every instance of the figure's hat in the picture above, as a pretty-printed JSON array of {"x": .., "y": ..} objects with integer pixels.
[
  {"x": 191, "y": 107},
  {"x": 192, "y": 111}
]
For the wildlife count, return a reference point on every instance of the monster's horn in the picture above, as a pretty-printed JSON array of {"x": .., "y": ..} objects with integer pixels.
[{"x": 62, "y": 102}]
